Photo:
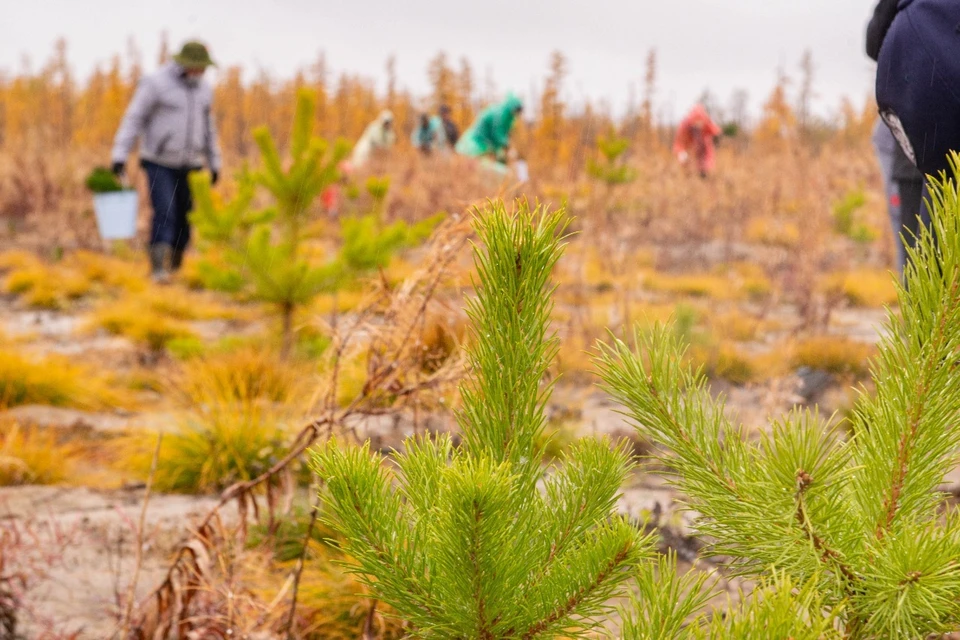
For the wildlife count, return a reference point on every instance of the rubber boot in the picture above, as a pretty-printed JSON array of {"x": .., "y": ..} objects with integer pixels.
[
  {"x": 176, "y": 259},
  {"x": 160, "y": 257}
]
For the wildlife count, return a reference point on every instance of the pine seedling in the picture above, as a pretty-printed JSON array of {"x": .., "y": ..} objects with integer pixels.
[
  {"x": 611, "y": 169},
  {"x": 269, "y": 254},
  {"x": 369, "y": 243},
  {"x": 856, "y": 526},
  {"x": 475, "y": 541}
]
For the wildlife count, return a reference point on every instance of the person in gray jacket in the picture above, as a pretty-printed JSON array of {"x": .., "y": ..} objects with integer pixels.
[{"x": 171, "y": 116}]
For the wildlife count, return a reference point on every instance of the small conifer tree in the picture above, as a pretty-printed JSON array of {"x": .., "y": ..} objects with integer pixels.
[
  {"x": 611, "y": 169},
  {"x": 268, "y": 253},
  {"x": 474, "y": 541},
  {"x": 850, "y": 534}
]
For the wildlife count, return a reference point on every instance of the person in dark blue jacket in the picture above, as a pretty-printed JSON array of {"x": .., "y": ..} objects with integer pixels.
[
  {"x": 918, "y": 77},
  {"x": 905, "y": 196}
]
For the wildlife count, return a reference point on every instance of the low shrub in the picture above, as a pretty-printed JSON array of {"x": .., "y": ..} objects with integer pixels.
[
  {"x": 33, "y": 456},
  {"x": 143, "y": 326},
  {"x": 53, "y": 381},
  {"x": 215, "y": 446},
  {"x": 838, "y": 355},
  {"x": 724, "y": 361},
  {"x": 863, "y": 287},
  {"x": 45, "y": 286},
  {"x": 773, "y": 232},
  {"x": 248, "y": 374}
]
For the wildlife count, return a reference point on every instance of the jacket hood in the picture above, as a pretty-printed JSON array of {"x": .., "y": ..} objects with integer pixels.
[
  {"x": 511, "y": 103},
  {"x": 698, "y": 114}
]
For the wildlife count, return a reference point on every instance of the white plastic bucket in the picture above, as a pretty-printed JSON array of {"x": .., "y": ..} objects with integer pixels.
[
  {"x": 522, "y": 171},
  {"x": 116, "y": 214}
]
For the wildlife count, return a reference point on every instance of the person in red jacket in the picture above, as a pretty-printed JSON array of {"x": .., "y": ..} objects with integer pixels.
[{"x": 695, "y": 139}]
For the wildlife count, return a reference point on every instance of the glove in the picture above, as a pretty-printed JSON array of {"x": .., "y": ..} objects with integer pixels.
[
  {"x": 214, "y": 176},
  {"x": 118, "y": 169}
]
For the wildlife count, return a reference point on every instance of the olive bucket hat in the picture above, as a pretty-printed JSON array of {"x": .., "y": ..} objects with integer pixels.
[{"x": 194, "y": 55}]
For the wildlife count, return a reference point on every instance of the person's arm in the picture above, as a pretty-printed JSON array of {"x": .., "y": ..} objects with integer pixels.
[
  {"x": 682, "y": 139},
  {"x": 713, "y": 129},
  {"x": 134, "y": 121},
  {"x": 500, "y": 134},
  {"x": 883, "y": 15}
]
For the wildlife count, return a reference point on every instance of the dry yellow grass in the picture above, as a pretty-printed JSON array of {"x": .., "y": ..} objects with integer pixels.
[
  {"x": 55, "y": 285},
  {"x": 736, "y": 325},
  {"x": 33, "y": 456},
  {"x": 178, "y": 304},
  {"x": 736, "y": 282},
  {"x": 342, "y": 302},
  {"x": 46, "y": 286},
  {"x": 54, "y": 381},
  {"x": 724, "y": 361},
  {"x": 17, "y": 259},
  {"x": 150, "y": 329},
  {"x": 249, "y": 374},
  {"x": 109, "y": 271},
  {"x": 238, "y": 410},
  {"x": 697, "y": 285},
  {"x": 834, "y": 354},
  {"x": 215, "y": 446},
  {"x": 773, "y": 232},
  {"x": 157, "y": 316},
  {"x": 863, "y": 287}
]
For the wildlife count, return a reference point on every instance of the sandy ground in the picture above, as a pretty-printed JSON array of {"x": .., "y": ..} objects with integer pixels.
[
  {"x": 88, "y": 540},
  {"x": 78, "y": 543}
]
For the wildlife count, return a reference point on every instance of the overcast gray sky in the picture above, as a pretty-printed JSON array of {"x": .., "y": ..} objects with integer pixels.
[{"x": 717, "y": 44}]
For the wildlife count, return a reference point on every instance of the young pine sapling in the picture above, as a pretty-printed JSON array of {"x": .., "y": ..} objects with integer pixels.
[
  {"x": 850, "y": 534},
  {"x": 475, "y": 541},
  {"x": 271, "y": 254}
]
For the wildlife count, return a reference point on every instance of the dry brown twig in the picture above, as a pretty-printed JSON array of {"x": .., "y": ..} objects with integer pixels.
[
  {"x": 138, "y": 562},
  {"x": 385, "y": 331}
]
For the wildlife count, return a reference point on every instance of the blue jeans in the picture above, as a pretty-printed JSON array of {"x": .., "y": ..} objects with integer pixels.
[{"x": 170, "y": 197}]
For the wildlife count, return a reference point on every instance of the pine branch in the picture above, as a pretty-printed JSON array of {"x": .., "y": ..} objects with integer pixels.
[
  {"x": 503, "y": 403},
  {"x": 372, "y": 521},
  {"x": 623, "y": 558},
  {"x": 582, "y": 492},
  {"x": 827, "y": 554},
  {"x": 907, "y": 443},
  {"x": 746, "y": 495},
  {"x": 667, "y": 605}
]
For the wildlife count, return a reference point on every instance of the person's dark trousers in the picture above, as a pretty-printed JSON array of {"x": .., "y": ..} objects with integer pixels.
[
  {"x": 170, "y": 197},
  {"x": 913, "y": 212}
]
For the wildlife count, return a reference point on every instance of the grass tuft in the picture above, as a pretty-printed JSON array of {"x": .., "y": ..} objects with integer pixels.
[
  {"x": 868, "y": 288},
  {"x": 53, "y": 381},
  {"x": 143, "y": 326},
  {"x": 238, "y": 410},
  {"x": 33, "y": 456},
  {"x": 833, "y": 354}
]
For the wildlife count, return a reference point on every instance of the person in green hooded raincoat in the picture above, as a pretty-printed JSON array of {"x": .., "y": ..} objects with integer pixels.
[{"x": 489, "y": 135}]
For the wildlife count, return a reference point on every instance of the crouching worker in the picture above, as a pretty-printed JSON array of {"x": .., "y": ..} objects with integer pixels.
[
  {"x": 428, "y": 136},
  {"x": 695, "y": 140},
  {"x": 375, "y": 141},
  {"x": 488, "y": 138},
  {"x": 171, "y": 116}
]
